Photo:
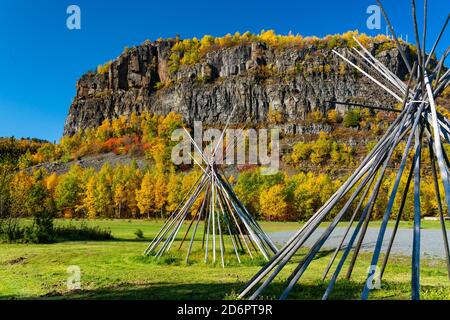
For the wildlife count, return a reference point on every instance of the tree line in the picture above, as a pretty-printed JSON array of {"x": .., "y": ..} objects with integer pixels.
[
  {"x": 154, "y": 191},
  {"x": 127, "y": 191}
]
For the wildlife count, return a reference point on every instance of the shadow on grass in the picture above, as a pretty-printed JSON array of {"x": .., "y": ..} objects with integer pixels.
[
  {"x": 344, "y": 290},
  {"x": 323, "y": 253},
  {"x": 203, "y": 291},
  {"x": 177, "y": 259}
]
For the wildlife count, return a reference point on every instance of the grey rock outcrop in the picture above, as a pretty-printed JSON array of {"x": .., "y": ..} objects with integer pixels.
[{"x": 255, "y": 78}]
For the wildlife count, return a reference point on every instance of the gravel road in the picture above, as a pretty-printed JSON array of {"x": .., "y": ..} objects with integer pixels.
[{"x": 432, "y": 245}]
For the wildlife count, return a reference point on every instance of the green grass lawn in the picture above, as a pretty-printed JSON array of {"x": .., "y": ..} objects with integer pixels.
[{"x": 117, "y": 270}]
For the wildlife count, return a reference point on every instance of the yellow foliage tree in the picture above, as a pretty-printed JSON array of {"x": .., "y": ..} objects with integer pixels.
[
  {"x": 274, "y": 116},
  {"x": 160, "y": 190},
  {"x": 269, "y": 36},
  {"x": 51, "y": 183},
  {"x": 119, "y": 198},
  {"x": 273, "y": 202},
  {"x": 134, "y": 178},
  {"x": 173, "y": 191},
  {"x": 88, "y": 203},
  {"x": 104, "y": 196},
  {"x": 134, "y": 122},
  {"x": 334, "y": 117},
  {"x": 104, "y": 131},
  {"x": 119, "y": 126},
  {"x": 188, "y": 182},
  {"x": 144, "y": 196},
  {"x": 20, "y": 188}
]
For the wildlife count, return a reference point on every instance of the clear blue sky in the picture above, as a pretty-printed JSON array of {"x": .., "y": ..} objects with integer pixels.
[{"x": 40, "y": 59}]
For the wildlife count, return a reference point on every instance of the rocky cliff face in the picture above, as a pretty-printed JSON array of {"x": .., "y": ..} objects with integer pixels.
[{"x": 255, "y": 78}]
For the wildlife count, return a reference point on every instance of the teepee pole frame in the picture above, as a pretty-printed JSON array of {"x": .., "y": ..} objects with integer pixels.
[{"x": 418, "y": 122}]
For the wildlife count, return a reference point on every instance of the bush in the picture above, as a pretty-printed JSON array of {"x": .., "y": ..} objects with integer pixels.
[
  {"x": 316, "y": 116},
  {"x": 323, "y": 149},
  {"x": 302, "y": 151},
  {"x": 41, "y": 231},
  {"x": 101, "y": 69},
  {"x": 139, "y": 234},
  {"x": 10, "y": 230},
  {"x": 334, "y": 117},
  {"x": 81, "y": 233},
  {"x": 274, "y": 116},
  {"x": 352, "y": 119},
  {"x": 159, "y": 85}
]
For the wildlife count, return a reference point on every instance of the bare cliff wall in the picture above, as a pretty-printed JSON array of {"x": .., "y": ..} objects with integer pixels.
[{"x": 255, "y": 78}]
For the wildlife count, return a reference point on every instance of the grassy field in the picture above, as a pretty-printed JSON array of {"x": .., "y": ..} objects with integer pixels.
[
  {"x": 124, "y": 229},
  {"x": 117, "y": 270}
]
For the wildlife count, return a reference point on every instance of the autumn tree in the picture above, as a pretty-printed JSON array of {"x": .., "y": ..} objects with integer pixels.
[
  {"x": 38, "y": 194},
  {"x": 309, "y": 192},
  {"x": 69, "y": 191},
  {"x": 103, "y": 194},
  {"x": 51, "y": 182},
  {"x": 248, "y": 189},
  {"x": 352, "y": 118},
  {"x": 189, "y": 181},
  {"x": 149, "y": 126},
  {"x": 119, "y": 199},
  {"x": 5, "y": 177},
  {"x": 320, "y": 149},
  {"x": 144, "y": 196},
  {"x": 89, "y": 200},
  {"x": 133, "y": 183},
  {"x": 20, "y": 190},
  {"x": 174, "y": 196},
  {"x": 119, "y": 189},
  {"x": 274, "y": 116},
  {"x": 8, "y": 223},
  {"x": 334, "y": 117},
  {"x": 135, "y": 125},
  {"x": 301, "y": 151},
  {"x": 273, "y": 202},
  {"x": 104, "y": 131},
  {"x": 168, "y": 124},
  {"x": 160, "y": 190},
  {"x": 269, "y": 36},
  {"x": 119, "y": 126}
]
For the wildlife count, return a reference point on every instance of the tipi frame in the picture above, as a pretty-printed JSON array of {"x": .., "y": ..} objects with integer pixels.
[
  {"x": 220, "y": 209},
  {"x": 420, "y": 126}
]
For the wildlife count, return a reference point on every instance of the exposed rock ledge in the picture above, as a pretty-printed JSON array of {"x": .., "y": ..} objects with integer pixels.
[{"x": 294, "y": 83}]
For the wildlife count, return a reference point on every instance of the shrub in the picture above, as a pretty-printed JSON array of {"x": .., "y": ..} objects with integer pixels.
[
  {"x": 334, "y": 117},
  {"x": 352, "y": 119},
  {"x": 159, "y": 85},
  {"x": 320, "y": 151},
  {"x": 10, "y": 230},
  {"x": 81, "y": 233},
  {"x": 273, "y": 202},
  {"x": 274, "y": 116},
  {"x": 101, "y": 69},
  {"x": 301, "y": 151},
  {"x": 316, "y": 116},
  {"x": 41, "y": 231},
  {"x": 139, "y": 234}
]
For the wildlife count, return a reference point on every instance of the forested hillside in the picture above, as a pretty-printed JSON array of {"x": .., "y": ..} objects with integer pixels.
[{"x": 120, "y": 112}]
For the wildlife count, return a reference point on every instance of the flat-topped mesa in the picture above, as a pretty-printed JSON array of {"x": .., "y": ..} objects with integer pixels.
[{"x": 255, "y": 75}]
